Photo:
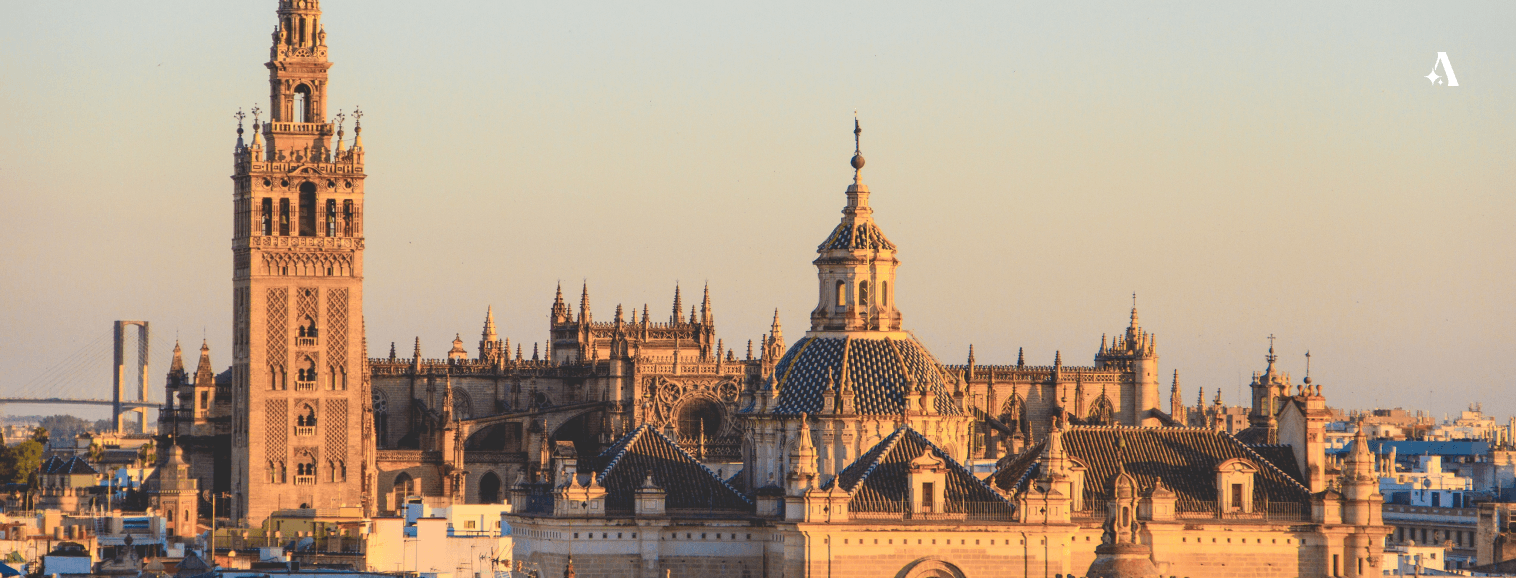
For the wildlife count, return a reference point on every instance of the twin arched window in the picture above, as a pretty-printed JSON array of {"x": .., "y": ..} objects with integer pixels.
[
  {"x": 307, "y": 373},
  {"x": 307, "y": 417}
]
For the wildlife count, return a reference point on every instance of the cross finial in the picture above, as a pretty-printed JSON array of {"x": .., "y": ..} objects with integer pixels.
[
  {"x": 1271, "y": 357},
  {"x": 357, "y": 118},
  {"x": 239, "y": 116},
  {"x": 857, "y": 150},
  {"x": 1307, "y": 366},
  {"x": 256, "y": 112}
]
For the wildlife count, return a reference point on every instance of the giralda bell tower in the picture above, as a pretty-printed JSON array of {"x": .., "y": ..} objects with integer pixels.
[{"x": 300, "y": 382}]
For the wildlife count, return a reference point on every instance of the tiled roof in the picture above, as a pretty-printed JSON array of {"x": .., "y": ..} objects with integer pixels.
[
  {"x": 877, "y": 480},
  {"x": 865, "y": 235},
  {"x": 1013, "y": 470},
  {"x": 75, "y": 465},
  {"x": 1283, "y": 457},
  {"x": 1253, "y": 436},
  {"x": 689, "y": 485},
  {"x": 878, "y": 370},
  {"x": 1184, "y": 458}
]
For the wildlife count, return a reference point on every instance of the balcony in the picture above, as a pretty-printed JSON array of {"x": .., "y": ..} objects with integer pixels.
[
  {"x": 305, "y": 342},
  {"x": 305, "y": 480},
  {"x": 305, "y": 385},
  {"x": 305, "y": 430}
]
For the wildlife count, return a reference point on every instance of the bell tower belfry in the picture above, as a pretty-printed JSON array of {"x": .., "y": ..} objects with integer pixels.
[{"x": 300, "y": 385}]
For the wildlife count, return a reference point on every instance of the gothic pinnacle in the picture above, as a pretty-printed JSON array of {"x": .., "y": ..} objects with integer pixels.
[
  {"x": 489, "y": 324},
  {"x": 1020, "y": 357},
  {"x": 584, "y": 303},
  {"x": 705, "y": 305},
  {"x": 178, "y": 363},
  {"x": 678, "y": 306},
  {"x": 392, "y": 350},
  {"x": 417, "y": 353}
]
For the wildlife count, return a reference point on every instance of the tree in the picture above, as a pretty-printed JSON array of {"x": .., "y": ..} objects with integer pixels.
[
  {"x": 148, "y": 454},
  {"x": 96, "y": 452},
  {"x": 39, "y": 435},
  {"x": 19, "y": 462}
]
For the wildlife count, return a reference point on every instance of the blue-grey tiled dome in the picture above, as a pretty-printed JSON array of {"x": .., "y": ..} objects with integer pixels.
[{"x": 878, "y": 370}]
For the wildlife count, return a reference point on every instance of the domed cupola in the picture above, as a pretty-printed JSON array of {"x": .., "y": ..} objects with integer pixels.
[{"x": 856, "y": 360}]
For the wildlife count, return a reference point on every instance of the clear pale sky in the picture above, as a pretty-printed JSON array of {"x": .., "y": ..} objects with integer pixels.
[{"x": 1246, "y": 169}]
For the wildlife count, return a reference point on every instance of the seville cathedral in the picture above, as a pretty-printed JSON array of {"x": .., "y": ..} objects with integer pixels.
[{"x": 630, "y": 443}]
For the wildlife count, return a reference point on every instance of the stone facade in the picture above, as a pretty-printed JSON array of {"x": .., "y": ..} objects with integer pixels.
[{"x": 299, "y": 396}]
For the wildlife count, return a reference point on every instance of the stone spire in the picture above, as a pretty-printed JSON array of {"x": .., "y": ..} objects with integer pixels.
[
  {"x": 489, "y": 333},
  {"x": 204, "y": 375},
  {"x": 707, "y": 315},
  {"x": 178, "y": 364},
  {"x": 1176, "y": 403},
  {"x": 675, "y": 317},
  {"x": 775, "y": 331},
  {"x": 560, "y": 311},
  {"x": 584, "y": 304}
]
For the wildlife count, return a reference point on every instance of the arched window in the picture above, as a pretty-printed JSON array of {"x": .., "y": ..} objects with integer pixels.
[
  {"x": 863, "y": 293},
  {"x": 267, "y": 220},
  {"x": 405, "y": 486},
  {"x": 284, "y": 216},
  {"x": 331, "y": 217},
  {"x": 841, "y": 293},
  {"x": 307, "y": 373},
  {"x": 307, "y": 416},
  {"x": 307, "y": 209},
  {"x": 489, "y": 488},
  {"x": 700, "y": 416},
  {"x": 347, "y": 218},
  {"x": 302, "y": 103}
]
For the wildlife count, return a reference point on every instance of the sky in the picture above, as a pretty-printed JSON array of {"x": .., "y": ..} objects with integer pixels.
[{"x": 1247, "y": 169}]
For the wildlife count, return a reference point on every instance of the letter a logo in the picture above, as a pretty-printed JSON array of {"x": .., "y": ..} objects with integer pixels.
[{"x": 1447, "y": 70}]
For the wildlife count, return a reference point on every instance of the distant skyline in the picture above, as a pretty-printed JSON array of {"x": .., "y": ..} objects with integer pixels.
[{"x": 1247, "y": 170}]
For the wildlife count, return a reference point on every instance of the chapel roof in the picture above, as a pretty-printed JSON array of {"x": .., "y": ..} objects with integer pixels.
[
  {"x": 877, "y": 479},
  {"x": 877, "y": 369},
  {"x": 1185, "y": 459},
  {"x": 625, "y": 466}
]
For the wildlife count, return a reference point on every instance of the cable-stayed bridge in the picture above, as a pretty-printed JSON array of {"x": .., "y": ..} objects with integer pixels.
[{"x": 115, "y": 362}]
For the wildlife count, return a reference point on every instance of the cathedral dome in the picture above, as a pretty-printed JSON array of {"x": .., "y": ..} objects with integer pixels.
[{"x": 879, "y": 369}]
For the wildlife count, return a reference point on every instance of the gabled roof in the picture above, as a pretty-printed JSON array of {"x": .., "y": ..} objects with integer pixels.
[
  {"x": 1184, "y": 458},
  {"x": 878, "y": 370},
  {"x": 877, "y": 480},
  {"x": 59, "y": 466},
  {"x": 623, "y": 467}
]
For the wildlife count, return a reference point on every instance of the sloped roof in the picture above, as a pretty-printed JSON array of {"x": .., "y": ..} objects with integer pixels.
[
  {"x": 863, "y": 235},
  {"x": 623, "y": 467},
  {"x": 1283, "y": 457},
  {"x": 877, "y": 480},
  {"x": 877, "y": 369},
  {"x": 75, "y": 465},
  {"x": 1184, "y": 458}
]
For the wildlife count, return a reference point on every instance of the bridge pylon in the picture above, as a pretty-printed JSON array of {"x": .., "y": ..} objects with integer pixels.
[{"x": 120, "y": 414}]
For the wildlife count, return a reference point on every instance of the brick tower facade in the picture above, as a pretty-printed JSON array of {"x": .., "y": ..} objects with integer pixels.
[{"x": 300, "y": 378}]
